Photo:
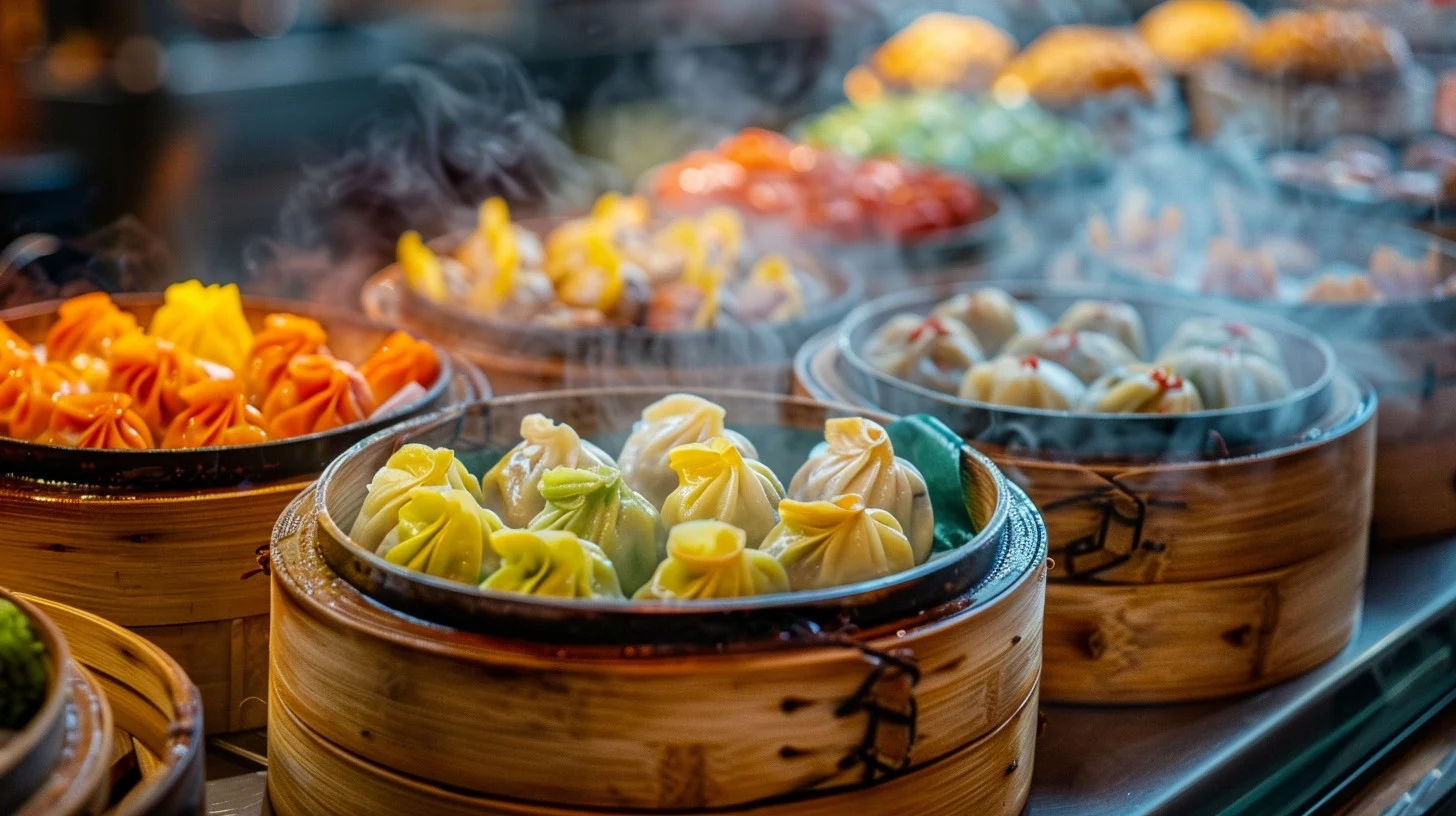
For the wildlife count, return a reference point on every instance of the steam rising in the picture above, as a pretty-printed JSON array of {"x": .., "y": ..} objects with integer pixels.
[{"x": 122, "y": 256}]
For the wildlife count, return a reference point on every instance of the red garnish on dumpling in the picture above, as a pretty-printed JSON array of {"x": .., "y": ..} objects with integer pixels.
[
  {"x": 1033, "y": 362},
  {"x": 930, "y": 324},
  {"x": 1165, "y": 379},
  {"x": 1237, "y": 330},
  {"x": 399, "y": 361},
  {"x": 102, "y": 421}
]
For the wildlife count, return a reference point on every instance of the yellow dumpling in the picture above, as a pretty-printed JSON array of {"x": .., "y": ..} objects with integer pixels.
[
  {"x": 708, "y": 559},
  {"x": 409, "y": 467},
  {"x": 716, "y": 481},
  {"x": 443, "y": 532},
  {"x": 207, "y": 321},
  {"x": 671, "y": 422},
  {"x": 512, "y": 487},
  {"x": 831, "y": 543},
  {"x": 552, "y": 563},
  {"x": 857, "y": 458}
]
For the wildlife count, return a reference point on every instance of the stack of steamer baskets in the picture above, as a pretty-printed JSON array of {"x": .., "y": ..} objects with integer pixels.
[
  {"x": 1403, "y": 342},
  {"x": 395, "y": 692},
  {"x": 168, "y": 542},
  {"x": 116, "y": 727},
  {"x": 522, "y": 353},
  {"x": 1195, "y": 555}
]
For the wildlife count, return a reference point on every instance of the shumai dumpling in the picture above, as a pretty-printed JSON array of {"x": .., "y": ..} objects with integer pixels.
[
  {"x": 1141, "y": 389},
  {"x": 831, "y": 543},
  {"x": 28, "y": 393},
  {"x": 1113, "y": 318},
  {"x": 154, "y": 372},
  {"x": 1025, "y": 382},
  {"x": 86, "y": 324},
  {"x": 993, "y": 316},
  {"x": 1228, "y": 378},
  {"x": 552, "y": 563},
  {"x": 1215, "y": 332},
  {"x": 596, "y": 505},
  {"x": 707, "y": 559},
  {"x": 934, "y": 352},
  {"x": 207, "y": 321},
  {"x": 399, "y": 361},
  {"x": 512, "y": 487},
  {"x": 316, "y": 393},
  {"x": 716, "y": 481},
  {"x": 103, "y": 421},
  {"x": 857, "y": 458},
  {"x": 284, "y": 337},
  {"x": 411, "y": 466},
  {"x": 1086, "y": 354},
  {"x": 443, "y": 531},
  {"x": 217, "y": 414},
  {"x": 671, "y": 422}
]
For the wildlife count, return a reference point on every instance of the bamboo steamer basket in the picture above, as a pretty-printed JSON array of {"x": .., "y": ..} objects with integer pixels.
[
  {"x": 1188, "y": 579},
  {"x": 524, "y": 358},
  {"x": 167, "y": 543},
  {"x": 397, "y": 709},
  {"x": 120, "y": 732},
  {"x": 1406, "y": 350}
]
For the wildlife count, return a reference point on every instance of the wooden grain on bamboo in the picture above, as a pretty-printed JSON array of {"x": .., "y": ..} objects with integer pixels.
[
  {"x": 429, "y": 702},
  {"x": 307, "y": 774},
  {"x": 151, "y": 701}
]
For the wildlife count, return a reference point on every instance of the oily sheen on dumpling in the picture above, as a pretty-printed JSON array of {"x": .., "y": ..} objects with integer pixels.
[
  {"x": 411, "y": 466},
  {"x": 1025, "y": 382},
  {"x": 824, "y": 544},
  {"x": 512, "y": 487},
  {"x": 707, "y": 559},
  {"x": 443, "y": 531},
  {"x": 596, "y": 505},
  {"x": 217, "y": 413},
  {"x": 716, "y": 481},
  {"x": 316, "y": 393},
  {"x": 857, "y": 458},
  {"x": 552, "y": 563},
  {"x": 154, "y": 372},
  {"x": 671, "y": 422},
  {"x": 102, "y": 421}
]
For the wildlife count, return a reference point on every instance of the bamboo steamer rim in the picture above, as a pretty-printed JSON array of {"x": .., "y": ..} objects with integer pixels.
[
  {"x": 993, "y": 527},
  {"x": 46, "y": 719},
  {"x": 141, "y": 458},
  {"x": 184, "y": 734},
  {"x": 413, "y": 634}
]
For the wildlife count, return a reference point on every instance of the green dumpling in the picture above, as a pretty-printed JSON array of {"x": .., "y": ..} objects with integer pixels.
[{"x": 595, "y": 504}]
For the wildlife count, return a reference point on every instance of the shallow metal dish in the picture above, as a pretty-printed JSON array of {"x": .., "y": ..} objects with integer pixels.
[
  {"x": 1088, "y": 435},
  {"x": 974, "y": 559}
]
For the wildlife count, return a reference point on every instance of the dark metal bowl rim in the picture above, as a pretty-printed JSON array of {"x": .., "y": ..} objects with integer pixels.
[{"x": 992, "y": 529}]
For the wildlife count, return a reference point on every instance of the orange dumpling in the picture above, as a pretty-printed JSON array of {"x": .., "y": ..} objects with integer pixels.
[
  {"x": 153, "y": 372},
  {"x": 284, "y": 336},
  {"x": 28, "y": 392},
  {"x": 86, "y": 325},
  {"x": 217, "y": 413},
  {"x": 103, "y": 420},
  {"x": 399, "y": 361},
  {"x": 316, "y": 393}
]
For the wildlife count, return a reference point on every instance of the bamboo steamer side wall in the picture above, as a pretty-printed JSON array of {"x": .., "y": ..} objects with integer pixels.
[
  {"x": 1203, "y": 521},
  {"x": 154, "y": 706},
  {"x": 647, "y": 733},
  {"x": 309, "y": 775},
  {"x": 80, "y": 784},
  {"x": 1160, "y": 643}
]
